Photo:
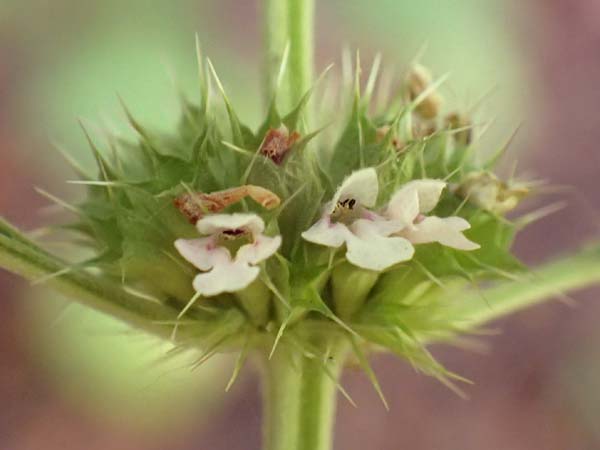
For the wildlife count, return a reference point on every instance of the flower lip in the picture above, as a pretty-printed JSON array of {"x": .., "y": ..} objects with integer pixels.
[
  {"x": 360, "y": 188},
  {"x": 409, "y": 206}
]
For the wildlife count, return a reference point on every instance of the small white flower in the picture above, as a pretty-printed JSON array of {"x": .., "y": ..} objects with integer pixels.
[
  {"x": 222, "y": 272},
  {"x": 346, "y": 219},
  {"x": 416, "y": 198}
]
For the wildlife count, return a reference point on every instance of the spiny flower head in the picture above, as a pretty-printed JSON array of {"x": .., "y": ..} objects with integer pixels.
[{"x": 369, "y": 229}]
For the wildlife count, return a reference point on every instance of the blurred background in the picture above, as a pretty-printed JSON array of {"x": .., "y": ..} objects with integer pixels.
[{"x": 70, "y": 378}]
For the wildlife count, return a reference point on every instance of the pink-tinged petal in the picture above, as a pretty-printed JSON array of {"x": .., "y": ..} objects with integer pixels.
[
  {"x": 374, "y": 223},
  {"x": 327, "y": 233},
  {"x": 369, "y": 250},
  {"x": 231, "y": 277},
  {"x": 216, "y": 223},
  {"x": 447, "y": 231},
  {"x": 428, "y": 192},
  {"x": 361, "y": 186},
  {"x": 404, "y": 206},
  {"x": 202, "y": 253},
  {"x": 262, "y": 248}
]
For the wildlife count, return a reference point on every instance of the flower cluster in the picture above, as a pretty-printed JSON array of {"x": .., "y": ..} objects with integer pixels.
[
  {"x": 373, "y": 241},
  {"x": 374, "y": 228}
]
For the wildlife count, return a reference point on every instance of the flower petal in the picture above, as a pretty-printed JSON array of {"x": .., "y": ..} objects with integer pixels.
[
  {"x": 378, "y": 224},
  {"x": 262, "y": 248},
  {"x": 404, "y": 206},
  {"x": 369, "y": 250},
  {"x": 219, "y": 222},
  {"x": 231, "y": 277},
  {"x": 202, "y": 253},
  {"x": 447, "y": 231},
  {"x": 361, "y": 185},
  {"x": 325, "y": 232},
  {"x": 428, "y": 192}
]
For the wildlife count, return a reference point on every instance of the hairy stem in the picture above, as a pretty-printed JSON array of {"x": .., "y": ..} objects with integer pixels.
[
  {"x": 23, "y": 257},
  {"x": 552, "y": 279}
]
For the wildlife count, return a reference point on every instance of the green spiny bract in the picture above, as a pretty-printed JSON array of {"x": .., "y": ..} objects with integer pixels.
[{"x": 304, "y": 290}]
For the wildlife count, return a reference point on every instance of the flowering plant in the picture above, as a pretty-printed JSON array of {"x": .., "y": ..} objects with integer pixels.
[{"x": 302, "y": 245}]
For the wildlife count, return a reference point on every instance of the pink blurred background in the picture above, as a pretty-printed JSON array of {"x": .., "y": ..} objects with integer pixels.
[{"x": 539, "y": 385}]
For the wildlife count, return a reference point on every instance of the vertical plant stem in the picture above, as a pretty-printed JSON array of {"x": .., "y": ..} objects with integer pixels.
[
  {"x": 317, "y": 405},
  {"x": 299, "y": 401},
  {"x": 281, "y": 399},
  {"x": 288, "y": 22},
  {"x": 299, "y": 394},
  {"x": 275, "y": 38},
  {"x": 301, "y": 38}
]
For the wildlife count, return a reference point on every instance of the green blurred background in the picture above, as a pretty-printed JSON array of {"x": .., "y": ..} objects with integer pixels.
[{"x": 71, "y": 378}]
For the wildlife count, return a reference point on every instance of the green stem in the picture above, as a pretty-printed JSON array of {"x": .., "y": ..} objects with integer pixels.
[
  {"x": 301, "y": 31},
  {"x": 288, "y": 22},
  {"x": 275, "y": 38},
  {"x": 552, "y": 279},
  {"x": 299, "y": 401},
  {"x": 23, "y": 257}
]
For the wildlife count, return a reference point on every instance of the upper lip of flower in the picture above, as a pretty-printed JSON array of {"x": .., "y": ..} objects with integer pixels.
[{"x": 222, "y": 272}]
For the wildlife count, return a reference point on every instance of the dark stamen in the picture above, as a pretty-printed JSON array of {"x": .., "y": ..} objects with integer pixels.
[
  {"x": 235, "y": 232},
  {"x": 347, "y": 203}
]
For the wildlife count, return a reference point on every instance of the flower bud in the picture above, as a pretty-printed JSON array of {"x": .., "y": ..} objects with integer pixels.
[
  {"x": 417, "y": 81},
  {"x": 460, "y": 122},
  {"x": 277, "y": 143},
  {"x": 422, "y": 130},
  {"x": 487, "y": 191},
  {"x": 195, "y": 205},
  {"x": 382, "y": 132}
]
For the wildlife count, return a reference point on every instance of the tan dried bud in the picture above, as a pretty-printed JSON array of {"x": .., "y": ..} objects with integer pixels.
[
  {"x": 418, "y": 81},
  {"x": 277, "y": 143},
  {"x": 422, "y": 130},
  {"x": 382, "y": 132},
  {"x": 460, "y": 122},
  {"x": 263, "y": 197},
  {"x": 487, "y": 191},
  {"x": 195, "y": 205}
]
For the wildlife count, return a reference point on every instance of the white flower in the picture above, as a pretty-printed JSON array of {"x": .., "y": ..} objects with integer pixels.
[
  {"x": 416, "y": 198},
  {"x": 221, "y": 271},
  {"x": 346, "y": 219}
]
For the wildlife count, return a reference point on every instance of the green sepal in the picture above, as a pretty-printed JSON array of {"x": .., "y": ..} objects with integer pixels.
[
  {"x": 256, "y": 301},
  {"x": 350, "y": 287}
]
